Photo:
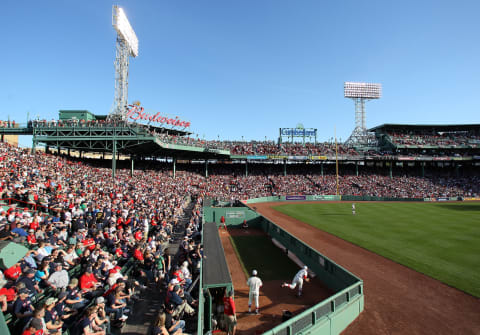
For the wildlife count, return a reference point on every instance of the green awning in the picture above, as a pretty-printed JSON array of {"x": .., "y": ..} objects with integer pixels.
[{"x": 11, "y": 253}]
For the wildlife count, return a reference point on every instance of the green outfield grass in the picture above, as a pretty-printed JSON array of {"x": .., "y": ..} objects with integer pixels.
[
  {"x": 441, "y": 240},
  {"x": 259, "y": 253}
]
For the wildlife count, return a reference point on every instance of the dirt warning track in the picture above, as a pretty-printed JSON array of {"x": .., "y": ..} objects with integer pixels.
[{"x": 398, "y": 300}]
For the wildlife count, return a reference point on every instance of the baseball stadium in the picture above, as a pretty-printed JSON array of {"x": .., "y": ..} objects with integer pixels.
[{"x": 127, "y": 223}]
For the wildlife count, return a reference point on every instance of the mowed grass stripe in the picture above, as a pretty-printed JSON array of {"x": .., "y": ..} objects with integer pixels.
[
  {"x": 441, "y": 240},
  {"x": 257, "y": 252}
]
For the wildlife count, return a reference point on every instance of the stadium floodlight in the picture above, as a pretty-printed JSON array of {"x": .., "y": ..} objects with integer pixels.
[
  {"x": 127, "y": 45},
  {"x": 125, "y": 30},
  {"x": 360, "y": 92}
]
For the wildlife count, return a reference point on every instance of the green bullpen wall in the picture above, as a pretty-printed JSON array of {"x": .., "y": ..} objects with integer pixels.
[{"x": 328, "y": 317}]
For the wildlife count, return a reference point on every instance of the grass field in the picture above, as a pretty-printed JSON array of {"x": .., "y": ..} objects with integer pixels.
[
  {"x": 441, "y": 240},
  {"x": 258, "y": 252}
]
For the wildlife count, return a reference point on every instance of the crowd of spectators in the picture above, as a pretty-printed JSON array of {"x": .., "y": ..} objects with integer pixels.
[
  {"x": 83, "y": 228},
  {"x": 7, "y": 124},
  {"x": 437, "y": 139}
]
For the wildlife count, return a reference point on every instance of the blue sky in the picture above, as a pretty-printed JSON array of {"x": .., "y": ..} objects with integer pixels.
[{"x": 246, "y": 68}]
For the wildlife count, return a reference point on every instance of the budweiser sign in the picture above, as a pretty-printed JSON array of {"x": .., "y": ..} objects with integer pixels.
[{"x": 137, "y": 113}]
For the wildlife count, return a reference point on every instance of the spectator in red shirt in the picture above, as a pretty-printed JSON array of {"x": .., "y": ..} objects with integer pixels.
[
  {"x": 89, "y": 283},
  {"x": 13, "y": 272},
  {"x": 31, "y": 239},
  {"x": 138, "y": 254},
  {"x": 230, "y": 312}
]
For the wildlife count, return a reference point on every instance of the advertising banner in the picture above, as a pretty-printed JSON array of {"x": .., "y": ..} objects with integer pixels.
[
  {"x": 471, "y": 199},
  {"x": 256, "y": 157},
  {"x": 295, "y": 197},
  {"x": 325, "y": 197},
  {"x": 319, "y": 158},
  {"x": 277, "y": 157},
  {"x": 235, "y": 215},
  {"x": 441, "y": 158},
  {"x": 297, "y": 132}
]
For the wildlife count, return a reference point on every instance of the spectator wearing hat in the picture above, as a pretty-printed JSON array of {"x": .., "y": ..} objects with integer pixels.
[
  {"x": 28, "y": 279},
  {"x": 102, "y": 320},
  {"x": 75, "y": 298},
  {"x": 52, "y": 320},
  {"x": 60, "y": 278},
  {"x": 22, "y": 307},
  {"x": 38, "y": 319},
  {"x": 34, "y": 327}
]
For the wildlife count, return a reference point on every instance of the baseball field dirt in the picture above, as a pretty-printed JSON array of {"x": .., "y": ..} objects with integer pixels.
[
  {"x": 398, "y": 300},
  {"x": 273, "y": 298}
]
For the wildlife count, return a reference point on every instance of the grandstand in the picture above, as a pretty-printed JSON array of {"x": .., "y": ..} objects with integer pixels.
[{"x": 128, "y": 224}]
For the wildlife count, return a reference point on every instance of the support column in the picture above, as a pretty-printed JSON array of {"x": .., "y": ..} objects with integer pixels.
[
  {"x": 47, "y": 149},
  {"x": 246, "y": 168},
  {"x": 423, "y": 168},
  {"x": 34, "y": 144},
  {"x": 356, "y": 168},
  {"x": 68, "y": 153},
  {"x": 114, "y": 157},
  {"x": 132, "y": 160},
  {"x": 391, "y": 170},
  {"x": 206, "y": 168},
  {"x": 457, "y": 170},
  {"x": 321, "y": 169},
  {"x": 284, "y": 167},
  {"x": 174, "y": 167}
]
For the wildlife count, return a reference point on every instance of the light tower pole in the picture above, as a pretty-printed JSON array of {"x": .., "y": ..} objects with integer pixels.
[
  {"x": 359, "y": 93},
  {"x": 127, "y": 45}
]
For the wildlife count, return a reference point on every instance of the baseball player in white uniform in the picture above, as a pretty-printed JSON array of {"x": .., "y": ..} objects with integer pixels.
[
  {"x": 254, "y": 283},
  {"x": 298, "y": 280},
  {"x": 353, "y": 208}
]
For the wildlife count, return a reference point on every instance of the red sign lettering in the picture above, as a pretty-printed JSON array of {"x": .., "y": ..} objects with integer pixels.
[{"x": 137, "y": 113}]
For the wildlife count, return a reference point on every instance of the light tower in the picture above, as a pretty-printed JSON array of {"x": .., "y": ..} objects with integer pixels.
[
  {"x": 360, "y": 92},
  {"x": 127, "y": 45}
]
